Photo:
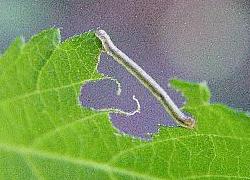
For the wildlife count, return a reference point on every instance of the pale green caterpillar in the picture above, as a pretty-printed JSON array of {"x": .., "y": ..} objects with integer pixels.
[{"x": 145, "y": 79}]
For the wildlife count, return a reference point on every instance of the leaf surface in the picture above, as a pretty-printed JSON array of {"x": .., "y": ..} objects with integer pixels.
[{"x": 46, "y": 134}]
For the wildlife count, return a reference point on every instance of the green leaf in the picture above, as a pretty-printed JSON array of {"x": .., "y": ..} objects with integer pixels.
[
  {"x": 46, "y": 134},
  {"x": 11, "y": 54}
]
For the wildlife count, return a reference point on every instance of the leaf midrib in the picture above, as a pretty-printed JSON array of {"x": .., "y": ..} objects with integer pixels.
[
  {"x": 24, "y": 151},
  {"x": 27, "y": 152}
]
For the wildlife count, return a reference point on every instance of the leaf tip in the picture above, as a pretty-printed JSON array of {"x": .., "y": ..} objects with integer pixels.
[{"x": 195, "y": 93}]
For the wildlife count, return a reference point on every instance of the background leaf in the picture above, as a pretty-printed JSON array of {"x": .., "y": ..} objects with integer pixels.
[{"x": 46, "y": 134}]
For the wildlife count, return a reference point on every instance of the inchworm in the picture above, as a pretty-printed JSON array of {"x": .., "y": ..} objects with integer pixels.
[{"x": 145, "y": 79}]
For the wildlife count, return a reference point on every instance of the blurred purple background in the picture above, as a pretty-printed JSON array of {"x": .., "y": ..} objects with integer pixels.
[{"x": 194, "y": 40}]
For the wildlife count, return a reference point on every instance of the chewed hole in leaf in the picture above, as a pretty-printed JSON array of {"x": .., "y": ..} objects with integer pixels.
[
  {"x": 106, "y": 95},
  {"x": 102, "y": 94}
]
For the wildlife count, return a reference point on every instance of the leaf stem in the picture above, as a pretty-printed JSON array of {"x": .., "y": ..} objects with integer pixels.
[{"x": 145, "y": 79}]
